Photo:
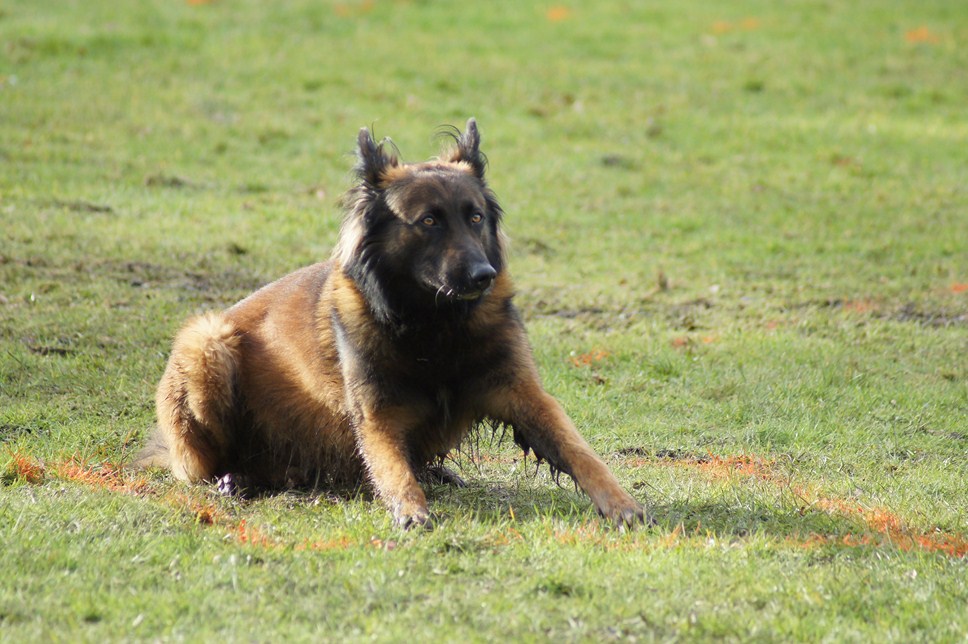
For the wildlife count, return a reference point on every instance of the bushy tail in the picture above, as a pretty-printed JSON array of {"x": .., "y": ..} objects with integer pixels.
[
  {"x": 196, "y": 400},
  {"x": 206, "y": 356},
  {"x": 154, "y": 454}
]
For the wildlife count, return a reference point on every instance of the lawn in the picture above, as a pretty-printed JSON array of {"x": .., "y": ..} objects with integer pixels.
[{"x": 740, "y": 242}]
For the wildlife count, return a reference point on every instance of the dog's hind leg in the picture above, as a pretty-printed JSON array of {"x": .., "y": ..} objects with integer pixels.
[
  {"x": 440, "y": 475},
  {"x": 196, "y": 399}
]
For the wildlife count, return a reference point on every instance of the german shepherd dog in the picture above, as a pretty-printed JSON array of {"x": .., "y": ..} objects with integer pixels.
[{"x": 377, "y": 363}]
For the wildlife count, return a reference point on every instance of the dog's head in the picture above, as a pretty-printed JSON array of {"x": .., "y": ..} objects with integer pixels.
[{"x": 422, "y": 234}]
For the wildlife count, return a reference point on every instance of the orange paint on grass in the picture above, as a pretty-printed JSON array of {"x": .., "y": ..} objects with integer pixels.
[
  {"x": 889, "y": 528},
  {"x": 341, "y": 543},
  {"x": 681, "y": 342},
  {"x": 204, "y": 513},
  {"x": 558, "y": 14},
  {"x": 592, "y": 357},
  {"x": 921, "y": 35},
  {"x": 246, "y": 534},
  {"x": 104, "y": 476},
  {"x": 351, "y": 10},
  {"x": 725, "y": 26},
  {"x": 859, "y": 306},
  {"x": 27, "y": 468},
  {"x": 884, "y": 527}
]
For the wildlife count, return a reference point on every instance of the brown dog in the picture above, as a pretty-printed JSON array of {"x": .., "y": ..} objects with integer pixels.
[{"x": 379, "y": 361}]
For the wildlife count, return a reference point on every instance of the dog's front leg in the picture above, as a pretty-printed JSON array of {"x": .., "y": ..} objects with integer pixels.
[
  {"x": 541, "y": 424},
  {"x": 381, "y": 441}
]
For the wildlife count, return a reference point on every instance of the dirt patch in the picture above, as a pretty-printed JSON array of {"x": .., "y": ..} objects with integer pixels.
[
  {"x": 216, "y": 285},
  {"x": 160, "y": 180},
  {"x": 148, "y": 275},
  {"x": 687, "y": 315},
  {"x": 934, "y": 319},
  {"x": 79, "y": 205},
  {"x": 907, "y": 313}
]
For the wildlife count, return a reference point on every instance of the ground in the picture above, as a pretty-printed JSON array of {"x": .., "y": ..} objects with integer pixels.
[{"x": 740, "y": 241}]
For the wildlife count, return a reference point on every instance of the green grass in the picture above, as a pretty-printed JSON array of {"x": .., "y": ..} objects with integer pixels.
[{"x": 739, "y": 230}]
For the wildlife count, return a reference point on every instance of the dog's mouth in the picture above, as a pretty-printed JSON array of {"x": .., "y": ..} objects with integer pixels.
[
  {"x": 470, "y": 295},
  {"x": 444, "y": 293}
]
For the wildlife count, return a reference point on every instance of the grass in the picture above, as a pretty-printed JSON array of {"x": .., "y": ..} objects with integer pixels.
[{"x": 741, "y": 247}]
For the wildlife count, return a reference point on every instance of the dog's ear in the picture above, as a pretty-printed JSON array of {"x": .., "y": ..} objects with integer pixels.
[
  {"x": 372, "y": 160},
  {"x": 468, "y": 149}
]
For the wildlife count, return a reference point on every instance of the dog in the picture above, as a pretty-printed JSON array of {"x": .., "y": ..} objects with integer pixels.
[{"x": 377, "y": 363}]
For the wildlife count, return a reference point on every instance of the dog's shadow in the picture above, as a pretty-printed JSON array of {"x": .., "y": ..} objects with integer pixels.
[
  {"x": 528, "y": 500},
  {"x": 536, "y": 496}
]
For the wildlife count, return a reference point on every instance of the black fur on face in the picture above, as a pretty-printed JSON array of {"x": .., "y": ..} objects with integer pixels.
[{"x": 421, "y": 239}]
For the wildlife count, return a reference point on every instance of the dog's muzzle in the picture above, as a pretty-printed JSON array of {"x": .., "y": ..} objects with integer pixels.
[{"x": 481, "y": 277}]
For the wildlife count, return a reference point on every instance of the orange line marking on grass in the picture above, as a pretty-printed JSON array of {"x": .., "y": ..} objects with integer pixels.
[
  {"x": 104, "y": 476},
  {"x": 886, "y": 527},
  {"x": 860, "y": 306},
  {"x": 725, "y": 26},
  {"x": 342, "y": 543},
  {"x": 246, "y": 534},
  {"x": 27, "y": 468},
  {"x": 107, "y": 476}
]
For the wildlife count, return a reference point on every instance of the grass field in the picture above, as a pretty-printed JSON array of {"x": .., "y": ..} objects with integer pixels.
[{"x": 740, "y": 240}]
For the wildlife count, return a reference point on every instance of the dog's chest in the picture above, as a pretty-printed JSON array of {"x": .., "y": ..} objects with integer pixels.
[{"x": 444, "y": 374}]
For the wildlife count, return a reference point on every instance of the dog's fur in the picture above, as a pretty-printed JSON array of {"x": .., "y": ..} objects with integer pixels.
[{"x": 378, "y": 362}]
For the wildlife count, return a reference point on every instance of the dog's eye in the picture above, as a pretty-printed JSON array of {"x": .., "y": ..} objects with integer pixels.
[
  {"x": 477, "y": 218},
  {"x": 429, "y": 221}
]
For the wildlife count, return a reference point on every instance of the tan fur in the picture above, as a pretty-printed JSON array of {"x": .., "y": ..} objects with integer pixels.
[{"x": 302, "y": 383}]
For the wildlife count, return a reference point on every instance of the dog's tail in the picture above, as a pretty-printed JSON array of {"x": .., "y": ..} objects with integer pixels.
[
  {"x": 196, "y": 400},
  {"x": 155, "y": 453}
]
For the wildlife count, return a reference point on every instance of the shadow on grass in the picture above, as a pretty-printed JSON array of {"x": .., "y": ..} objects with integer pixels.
[{"x": 530, "y": 500}]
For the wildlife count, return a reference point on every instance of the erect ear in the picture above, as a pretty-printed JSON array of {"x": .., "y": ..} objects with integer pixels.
[
  {"x": 372, "y": 161},
  {"x": 468, "y": 149}
]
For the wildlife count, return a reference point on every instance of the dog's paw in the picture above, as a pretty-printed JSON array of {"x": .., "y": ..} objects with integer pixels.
[
  {"x": 228, "y": 485},
  {"x": 626, "y": 513},
  {"x": 412, "y": 515}
]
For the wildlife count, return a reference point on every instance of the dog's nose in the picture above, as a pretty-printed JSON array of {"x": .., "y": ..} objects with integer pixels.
[{"x": 482, "y": 275}]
